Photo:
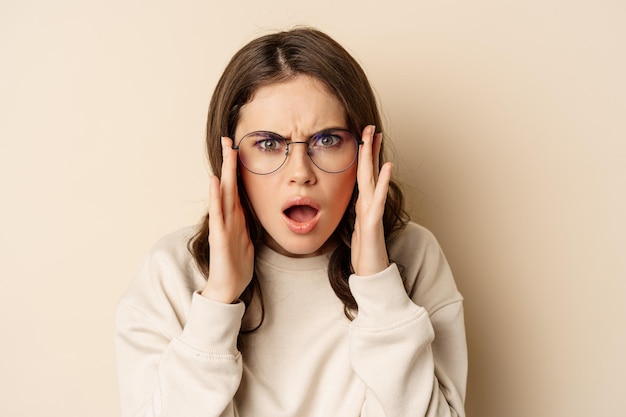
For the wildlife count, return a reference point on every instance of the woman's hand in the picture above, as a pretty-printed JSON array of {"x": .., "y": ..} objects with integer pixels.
[
  {"x": 231, "y": 253},
  {"x": 369, "y": 251}
]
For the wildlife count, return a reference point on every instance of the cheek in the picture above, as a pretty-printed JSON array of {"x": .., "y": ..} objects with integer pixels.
[
  {"x": 264, "y": 203},
  {"x": 253, "y": 186},
  {"x": 344, "y": 188}
]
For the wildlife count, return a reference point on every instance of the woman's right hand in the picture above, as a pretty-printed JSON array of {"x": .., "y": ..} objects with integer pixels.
[{"x": 231, "y": 253}]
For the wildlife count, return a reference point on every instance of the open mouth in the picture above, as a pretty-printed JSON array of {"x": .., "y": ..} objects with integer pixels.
[{"x": 301, "y": 213}]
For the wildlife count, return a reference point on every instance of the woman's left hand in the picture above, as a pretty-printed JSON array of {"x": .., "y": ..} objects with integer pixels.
[{"x": 369, "y": 251}]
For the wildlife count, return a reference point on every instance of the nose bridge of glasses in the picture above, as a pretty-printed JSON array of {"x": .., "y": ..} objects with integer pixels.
[
  {"x": 307, "y": 149},
  {"x": 295, "y": 142}
]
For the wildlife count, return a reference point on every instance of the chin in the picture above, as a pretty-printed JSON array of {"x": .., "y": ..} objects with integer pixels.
[{"x": 299, "y": 249}]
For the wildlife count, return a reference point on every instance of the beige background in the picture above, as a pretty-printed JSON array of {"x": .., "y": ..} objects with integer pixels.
[{"x": 509, "y": 117}]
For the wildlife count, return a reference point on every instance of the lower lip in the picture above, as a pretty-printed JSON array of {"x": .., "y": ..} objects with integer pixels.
[{"x": 302, "y": 228}]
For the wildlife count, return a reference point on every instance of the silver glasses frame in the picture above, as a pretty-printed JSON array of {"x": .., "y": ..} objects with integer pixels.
[{"x": 308, "y": 142}]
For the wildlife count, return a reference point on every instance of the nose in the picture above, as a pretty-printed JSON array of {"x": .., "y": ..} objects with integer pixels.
[{"x": 299, "y": 167}]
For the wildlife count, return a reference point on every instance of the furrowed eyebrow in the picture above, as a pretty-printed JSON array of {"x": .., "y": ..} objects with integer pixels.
[
  {"x": 288, "y": 139},
  {"x": 328, "y": 129}
]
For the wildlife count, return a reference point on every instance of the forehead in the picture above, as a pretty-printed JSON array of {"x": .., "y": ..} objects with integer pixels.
[{"x": 301, "y": 105}]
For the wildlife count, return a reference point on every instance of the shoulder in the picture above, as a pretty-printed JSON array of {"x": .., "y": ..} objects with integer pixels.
[
  {"x": 170, "y": 254},
  {"x": 167, "y": 278},
  {"x": 413, "y": 241},
  {"x": 424, "y": 268},
  {"x": 173, "y": 244}
]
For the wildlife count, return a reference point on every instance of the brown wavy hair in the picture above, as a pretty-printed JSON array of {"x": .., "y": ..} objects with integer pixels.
[{"x": 271, "y": 59}]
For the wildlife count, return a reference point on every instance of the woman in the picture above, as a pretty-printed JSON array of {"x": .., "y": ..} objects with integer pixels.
[{"x": 305, "y": 291}]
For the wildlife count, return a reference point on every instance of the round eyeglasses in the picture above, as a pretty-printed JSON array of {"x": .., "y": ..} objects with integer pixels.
[{"x": 332, "y": 151}]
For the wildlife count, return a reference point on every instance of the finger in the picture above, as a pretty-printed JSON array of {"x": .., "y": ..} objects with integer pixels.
[
  {"x": 365, "y": 169},
  {"x": 376, "y": 145},
  {"x": 382, "y": 187},
  {"x": 229, "y": 177},
  {"x": 215, "y": 207},
  {"x": 376, "y": 203}
]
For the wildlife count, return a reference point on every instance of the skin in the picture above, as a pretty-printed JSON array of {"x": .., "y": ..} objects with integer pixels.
[{"x": 295, "y": 109}]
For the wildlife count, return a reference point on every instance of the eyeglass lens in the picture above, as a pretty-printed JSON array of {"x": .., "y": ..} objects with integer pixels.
[{"x": 332, "y": 151}]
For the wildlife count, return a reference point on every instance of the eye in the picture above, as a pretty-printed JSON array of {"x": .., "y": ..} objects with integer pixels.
[
  {"x": 268, "y": 143},
  {"x": 327, "y": 140}
]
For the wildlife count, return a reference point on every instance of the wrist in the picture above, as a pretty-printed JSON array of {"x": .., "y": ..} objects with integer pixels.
[{"x": 220, "y": 296}]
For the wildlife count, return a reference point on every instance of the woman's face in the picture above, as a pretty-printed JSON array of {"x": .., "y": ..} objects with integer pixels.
[{"x": 299, "y": 205}]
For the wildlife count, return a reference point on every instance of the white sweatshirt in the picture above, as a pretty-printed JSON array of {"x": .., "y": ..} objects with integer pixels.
[{"x": 404, "y": 355}]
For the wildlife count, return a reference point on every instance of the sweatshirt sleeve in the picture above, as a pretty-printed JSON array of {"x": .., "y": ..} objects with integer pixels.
[
  {"x": 412, "y": 360},
  {"x": 176, "y": 350}
]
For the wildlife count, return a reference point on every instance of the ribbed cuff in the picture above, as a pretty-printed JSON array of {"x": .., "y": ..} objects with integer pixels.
[
  {"x": 213, "y": 326},
  {"x": 382, "y": 298}
]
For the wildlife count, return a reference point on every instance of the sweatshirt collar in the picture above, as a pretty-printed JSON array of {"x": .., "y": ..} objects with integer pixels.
[{"x": 273, "y": 259}]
